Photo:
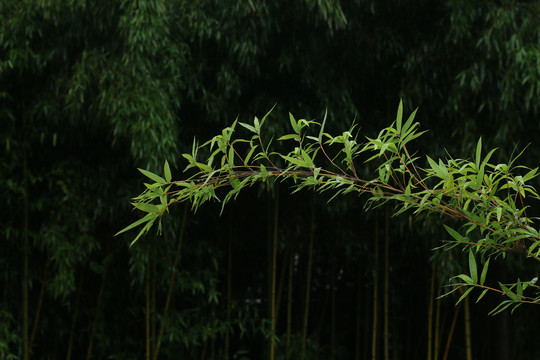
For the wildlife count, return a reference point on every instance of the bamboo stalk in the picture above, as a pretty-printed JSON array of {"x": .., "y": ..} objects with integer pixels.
[
  {"x": 437, "y": 323},
  {"x": 430, "y": 313},
  {"x": 274, "y": 261},
  {"x": 358, "y": 315},
  {"x": 366, "y": 337},
  {"x": 212, "y": 321},
  {"x": 205, "y": 345},
  {"x": 213, "y": 345},
  {"x": 375, "y": 292},
  {"x": 289, "y": 304},
  {"x": 74, "y": 319},
  {"x": 147, "y": 291},
  {"x": 451, "y": 332},
  {"x": 467, "y": 329},
  {"x": 386, "y": 282},
  {"x": 98, "y": 306},
  {"x": 153, "y": 310},
  {"x": 281, "y": 285},
  {"x": 229, "y": 294},
  {"x": 171, "y": 282},
  {"x": 308, "y": 284},
  {"x": 26, "y": 250},
  {"x": 333, "y": 310},
  {"x": 40, "y": 303}
]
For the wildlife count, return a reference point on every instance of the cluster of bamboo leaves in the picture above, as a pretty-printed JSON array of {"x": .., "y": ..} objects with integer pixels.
[{"x": 488, "y": 199}]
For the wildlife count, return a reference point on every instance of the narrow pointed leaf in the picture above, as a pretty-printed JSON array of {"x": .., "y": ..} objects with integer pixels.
[
  {"x": 465, "y": 294},
  {"x": 167, "y": 171},
  {"x": 472, "y": 267},
  {"x": 484, "y": 272},
  {"x": 153, "y": 176}
]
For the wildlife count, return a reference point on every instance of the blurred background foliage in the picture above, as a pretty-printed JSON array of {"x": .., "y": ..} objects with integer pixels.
[{"x": 90, "y": 91}]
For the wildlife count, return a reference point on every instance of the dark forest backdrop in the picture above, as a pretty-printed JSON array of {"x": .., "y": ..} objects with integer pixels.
[{"x": 90, "y": 91}]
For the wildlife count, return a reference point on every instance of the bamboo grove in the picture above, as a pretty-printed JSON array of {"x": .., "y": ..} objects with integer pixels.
[
  {"x": 91, "y": 91},
  {"x": 488, "y": 199}
]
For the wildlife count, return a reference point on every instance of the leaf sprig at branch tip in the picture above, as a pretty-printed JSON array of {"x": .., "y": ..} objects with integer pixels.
[{"x": 487, "y": 198}]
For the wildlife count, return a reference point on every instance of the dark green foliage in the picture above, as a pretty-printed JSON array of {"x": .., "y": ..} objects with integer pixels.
[{"x": 90, "y": 91}]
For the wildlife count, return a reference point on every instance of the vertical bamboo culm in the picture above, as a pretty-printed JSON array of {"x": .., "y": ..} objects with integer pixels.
[
  {"x": 96, "y": 316},
  {"x": 40, "y": 303},
  {"x": 147, "y": 293},
  {"x": 171, "y": 282},
  {"x": 75, "y": 315},
  {"x": 467, "y": 328},
  {"x": 430, "y": 313},
  {"x": 333, "y": 308},
  {"x": 229, "y": 294},
  {"x": 26, "y": 280},
  {"x": 308, "y": 284},
  {"x": 451, "y": 332},
  {"x": 358, "y": 315},
  {"x": 274, "y": 262},
  {"x": 375, "y": 291},
  {"x": 437, "y": 336},
  {"x": 289, "y": 304},
  {"x": 386, "y": 282}
]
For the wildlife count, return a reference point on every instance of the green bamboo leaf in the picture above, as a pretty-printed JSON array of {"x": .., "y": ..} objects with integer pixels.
[
  {"x": 153, "y": 176},
  {"x": 477, "y": 181},
  {"x": 465, "y": 278},
  {"x": 321, "y": 132},
  {"x": 249, "y": 127},
  {"x": 250, "y": 153},
  {"x": 531, "y": 174},
  {"x": 204, "y": 167},
  {"x": 519, "y": 288},
  {"x": 436, "y": 168},
  {"x": 288, "y": 137},
  {"x": 484, "y": 272},
  {"x": 478, "y": 152},
  {"x": 482, "y": 295},
  {"x": 267, "y": 114},
  {"x": 454, "y": 234},
  {"x": 488, "y": 156},
  {"x": 231, "y": 156},
  {"x": 149, "y": 208},
  {"x": 399, "y": 116},
  {"x": 147, "y": 218},
  {"x": 167, "y": 171},
  {"x": 465, "y": 294},
  {"x": 294, "y": 124},
  {"x": 501, "y": 307},
  {"x": 407, "y": 128},
  {"x": 472, "y": 267},
  {"x": 307, "y": 158},
  {"x": 508, "y": 292},
  {"x": 295, "y": 161},
  {"x": 143, "y": 230}
]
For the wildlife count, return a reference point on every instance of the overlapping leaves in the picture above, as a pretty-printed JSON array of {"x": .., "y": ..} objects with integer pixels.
[{"x": 488, "y": 198}]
